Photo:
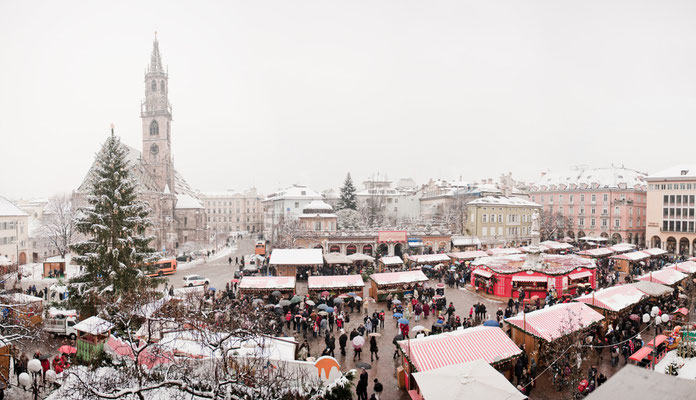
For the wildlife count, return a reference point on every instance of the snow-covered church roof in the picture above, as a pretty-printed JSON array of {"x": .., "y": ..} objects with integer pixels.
[
  {"x": 590, "y": 178},
  {"x": 8, "y": 209}
]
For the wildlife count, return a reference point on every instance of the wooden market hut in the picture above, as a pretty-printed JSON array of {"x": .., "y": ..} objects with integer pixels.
[
  {"x": 623, "y": 262},
  {"x": 389, "y": 263},
  {"x": 335, "y": 284},
  {"x": 666, "y": 276},
  {"x": 5, "y": 356},
  {"x": 92, "y": 333},
  {"x": 538, "y": 328},
  {"x": 24, "y": 307},
  {"x": 466, "y": 255},
  {"x": 500, "y": 251},
  {"x": 613, "y": 301},
  {"x": 464, "y": 243},
  {"x": 686, "y": 267},
  {"x": 337, "y": 263},
  {"x": 556, "y": 247},
  {"x": 600, "y": 252},
  {"x": 428, "y": 259},
  {"x": 652, "y": 289},
  {"x": 621, "y": 248},
  {"x": 294, "y": 262},
  {"x": 55, "y": 265},
  {"x": 396, "y": 283},
  {"x": 486, "y": 343},
  {"x": 655, "y": 252},
  {"x": 265, "y": 285}
]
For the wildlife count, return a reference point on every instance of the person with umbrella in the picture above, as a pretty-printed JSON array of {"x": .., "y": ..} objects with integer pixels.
[
  {"x": 342, "y": 341},
  {"x": 361, "y": 388},
  {"x": 331, "y": 320},
  {"x": 373, "y": 349},
  {"x": 396, "y": 345},
  {"x": 358, "y": 342}
]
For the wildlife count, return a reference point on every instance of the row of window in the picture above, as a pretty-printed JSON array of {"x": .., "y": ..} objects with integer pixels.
[
  {"x": 228, "y": 210},
  {"x": 512, "y": 218},
  {"x": 605, "y": 222},
  {"x": 672, "y": 186},
  {"x": 678, "y": 199},
  {"x": 678, "y": 226},
  {"x": 512, "y": 230},
  {"x": 593, "y": 198},
  {"x": 9, "y": 240},
  {"x": 230, "y": 219},
  {"x": 213, "y": 203},
  {"x": 7, "y": 225},
  {"x": 238, "y": 228},
  {"x": 593, "y": 210},
  {"x": 677, "y": 212}
]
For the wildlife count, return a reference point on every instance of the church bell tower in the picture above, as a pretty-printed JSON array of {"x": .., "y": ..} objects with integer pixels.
[{"x": 156, "y": 114}]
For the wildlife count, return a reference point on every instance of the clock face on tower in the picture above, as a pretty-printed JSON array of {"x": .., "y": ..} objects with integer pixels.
[{"x": 154, "y": 149}]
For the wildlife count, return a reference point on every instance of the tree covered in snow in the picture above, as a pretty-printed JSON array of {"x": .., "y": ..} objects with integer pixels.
[
  {"x": 553, "y": 225},
  {"x": 348, "y": 199},
  {"x": 58, "y": 223},
  {"x": 348, "y": 219},
  {"x": 116, "y": 248}
]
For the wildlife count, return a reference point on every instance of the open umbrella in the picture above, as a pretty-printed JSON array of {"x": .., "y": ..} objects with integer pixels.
[
  {"x": 65, "y": 349},
  {"x": 256, "y": 301},
  {"x": 438, "y": 324},
  {"x": 295, "y": 299},
  {"x": 363, "y": 365},
  {"x": 427, "y": 266},
  {"x": 269, "y": 306},
  {"x": 212, "y": 289},
  {"x": 403, "y": 321},
  {"x": 491, "y": 322},
  {"x": 398, "y": 337},
  {"x": 322, "y": 307},
  {"x": 398, "y": 315},
  {"x": 534, "y": 298},
  {"x": 329, "y": 309},
  {"x": 284, "y": 303},
  {"x": 375, "y": 334},
  {"x": 338, "y": 300},
  {"x": 437, "y": 297},
  {"x": 634, "y": 317},
  {"x": 419, "y": 328},
  {"x": 358, "y": 298},
  {"x": 324, "y": 293},
  {"x": 351, "y": 294},
  {"x": 310, "y": 302},
  {"x": 323, "y": 313},
  {"x": 275, "y": 293},
  {"x": 358, "y": 341},
  {"x": 396, "y": 301},
  {"x": 343, "y": 296},
  {"x": 440, "y": 285}
]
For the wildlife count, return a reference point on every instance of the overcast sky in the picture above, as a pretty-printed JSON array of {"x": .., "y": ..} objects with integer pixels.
[{"x": 271, "y": 93}]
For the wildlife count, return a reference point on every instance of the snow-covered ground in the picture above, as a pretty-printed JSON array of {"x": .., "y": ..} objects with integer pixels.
[
  {"x": 687, "y": 371},
  {"x": 222, "y": 253}
]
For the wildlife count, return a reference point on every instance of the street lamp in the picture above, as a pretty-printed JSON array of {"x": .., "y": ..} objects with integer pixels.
[
  {"x": 658, "y": 320},
  {"x": 34, "y": 367}
]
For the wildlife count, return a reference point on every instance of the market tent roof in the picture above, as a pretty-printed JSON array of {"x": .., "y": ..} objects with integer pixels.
[
  {"x": 482, "y": 272},
  {"x": 666, "y": 276},
  {"x": 486, "y": 343},
  {"x": 296, "y": 257},
  {"x": 334, "y": 282},
  {"x": 393, "y": 260},
  {"x": 528, "y": 249},
  {"x": 653, "y": 289},
  {"x": 622, "y": 247},
  {"x": 391, "y": 236},
  {"x": 467, "y": 255},
  {"x": 632, "y": 256},
  {"x": 21, "y": 298},
  {"x": 458, "y": 241},
  {"x": 598, "y": 252},
  {"x": 593, "y": 239},
  {"x": 687, "y": 267},
  {"x": 580, "y": 275},
  {"x": 655, "y": 251},
  {"x": 94, "y": 326},
  {"x": 615, "y": 298},
  {"x": 553, "y": 245},
  {"x": 429, "y": 258},
  {"x": 470, "y": 380},
  {"x": 632, "y": 382},
  {"x": 267, "y": 282},
  {"x": 392, "y": 278},
  {"x": 361, "y": 257},
  {"x": 500, "y": 251},
  {"x": 337, "y": 258},
  {"x": 548, "y": 323}
]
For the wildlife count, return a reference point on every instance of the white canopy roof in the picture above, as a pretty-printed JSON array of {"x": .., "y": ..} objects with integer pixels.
[
  {"x": 361, "y": 257},
  {"x": 394, "y": 260},
  {"x": 94, "y": 326},
  {"x": 465, "y": 241},
  {"x": 296, "y": 257},
  {"x": 391, "y": 278},
  {"x": 469, "y": 380},
  {"x": 337, "y": 258}
]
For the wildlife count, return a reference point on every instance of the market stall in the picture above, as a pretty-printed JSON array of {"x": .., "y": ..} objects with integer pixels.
[
  {"x": 655, "y": 252},
  {"x": 20, "y": 306},
  {"x": 360, "y": 257},
  {"x": 535, "y": 274},
  {"x": 335, "y": 284},
  {"x": 428, "y": 259},
  {"x": 467, "y": 255},
  {"x": 499, "y": 251},
  {"x": 556, "y": 247},
  {"x": 337, "y": 259},
  {"x": 652, "y": 289},
  {"x": 399, "y": 283},
  {"x": 92, "y": 333},
  {"x": 296, "y": 262},
  {"x": 623, "y": 262},
  {"x": 390, "y": 263},
  {"x": 538, "y": 328},
  {"x": 489, "y": 344},
  {"x": 621, "y": 248},
  {"x": 614, "y": 300},
  {"x": 600, "y": 252},
  {"x": 265, "y": 285},
  {"x": 665, "y": 276},
  {"x": 686, "y": 267}
]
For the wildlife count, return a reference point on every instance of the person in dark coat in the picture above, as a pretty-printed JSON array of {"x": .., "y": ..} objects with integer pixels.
[
  {"x": 373, "y": 349},
  {"x": 361, "y": 388},
  {"x": 342, "y": 341}
]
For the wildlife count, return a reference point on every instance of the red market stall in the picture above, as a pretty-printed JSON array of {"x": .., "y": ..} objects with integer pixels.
[
  {"x": 489, "y": 344},
  {"x": 613, "y": 300},
  {"x": 600, "y": 252},
  {"x": 687, "y": 267},
  {"x": 665, "y": 276},
  {"x": 537, "y": 328},
  {"x": 390, "y": 262},
  {"x": 264, "y": 285},
  {"x": 402, "y": 282},
  {"x": 507, "y": 275},
  {"x": 622, "y": 262},
  {"x": 335, "y": 284}
]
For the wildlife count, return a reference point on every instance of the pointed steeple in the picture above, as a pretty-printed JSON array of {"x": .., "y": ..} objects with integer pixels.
[{"x": 155, "y": 58}]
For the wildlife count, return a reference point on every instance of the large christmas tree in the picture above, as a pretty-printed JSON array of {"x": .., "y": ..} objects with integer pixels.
[
  {"x": 116, "y": 250},
  {"x": 348, "y": 199}
]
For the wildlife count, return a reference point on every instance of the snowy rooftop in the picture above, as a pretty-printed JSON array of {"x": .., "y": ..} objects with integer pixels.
[
  {"x": 94, "y": 326},
  {"x": 296, "y": 257},
  {"x": 552, "y": 264},
  {"x": 504, "y": 201},
  {"x": 295, "y": 192},
  {"x": 584, "y": 178},
  {"x": 186, "y": 201},
  {"x": 8, "y": 209},
  {"x": 317, "y": 205},
  {"x": 681, "y": 171}
]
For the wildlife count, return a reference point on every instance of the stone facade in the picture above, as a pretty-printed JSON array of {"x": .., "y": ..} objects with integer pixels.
[
  {"x": 501, "y": 221},
  {"x": 14, "y": 232},
  {"x": 232, "y": 212}
]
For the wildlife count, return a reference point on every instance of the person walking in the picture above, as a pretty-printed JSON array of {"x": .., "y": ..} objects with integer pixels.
[
  {"x": 373, "y": 349},
  {"x": 342, "y": 341},
  {"x": 361, "y": 388},
  {"x": 378, "y": 388}
]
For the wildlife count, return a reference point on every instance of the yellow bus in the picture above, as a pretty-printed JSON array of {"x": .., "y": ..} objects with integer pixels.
[
  {"x": 260, "y": 248},
  {"x": 162, "y": 267}
]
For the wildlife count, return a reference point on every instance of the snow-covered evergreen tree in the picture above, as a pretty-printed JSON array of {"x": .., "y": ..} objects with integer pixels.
[
  {"x": 114, "y": 222},
  {"x": 348, "y": 199}
]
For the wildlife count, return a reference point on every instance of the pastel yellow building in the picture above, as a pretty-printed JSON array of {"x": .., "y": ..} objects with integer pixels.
[{"x": 500, "y": 221}]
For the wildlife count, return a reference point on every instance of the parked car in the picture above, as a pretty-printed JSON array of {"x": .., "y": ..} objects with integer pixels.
[
  {"x": 183, "y": 258},
  {"x": 195, "y": 280}
]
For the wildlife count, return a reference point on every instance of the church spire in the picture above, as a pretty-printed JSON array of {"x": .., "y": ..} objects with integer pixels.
[{"x": 155, "y": 58}]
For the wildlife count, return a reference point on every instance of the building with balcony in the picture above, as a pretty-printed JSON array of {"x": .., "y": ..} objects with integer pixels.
[
  {"x": 670, "y": 211},
  {"x": 285, "y": 205},
  {"x": 229, "y": 213},
  {"x": 607, "y": 202},
  {"x": 501, "y": 221}
]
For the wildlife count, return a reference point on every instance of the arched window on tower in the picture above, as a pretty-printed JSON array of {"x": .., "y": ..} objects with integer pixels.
[
  {"x": 154, "y": 128},
  {"x": 162, "y": 86},
  {"x": 154, "y": 86}
]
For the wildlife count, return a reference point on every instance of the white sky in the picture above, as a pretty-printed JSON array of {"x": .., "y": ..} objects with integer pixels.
[{"x": 270, "y": 93}]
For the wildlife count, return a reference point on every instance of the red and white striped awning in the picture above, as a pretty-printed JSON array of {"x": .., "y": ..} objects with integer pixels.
[
  {"x": 665, "y": 276},
  {"x": 334, "y": 282},
  {"x": 614, "y": 298},
  {"x": 483, "y": 273},
  {"x": 490, "y": 344},
  {"x": 467, "y": 255},
  {"x": 522, "y": 278},
  {"x": 687, "y": 267},
  {"x": 549, "y": 323},
  {"x": 580, "y": 275}
]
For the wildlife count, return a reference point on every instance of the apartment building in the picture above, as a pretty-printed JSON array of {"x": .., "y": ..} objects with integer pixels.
[
  {"x": 501, "y": 221},
  {"x": 14, "y": 233},
  {"x": 232, "y": 212}
]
